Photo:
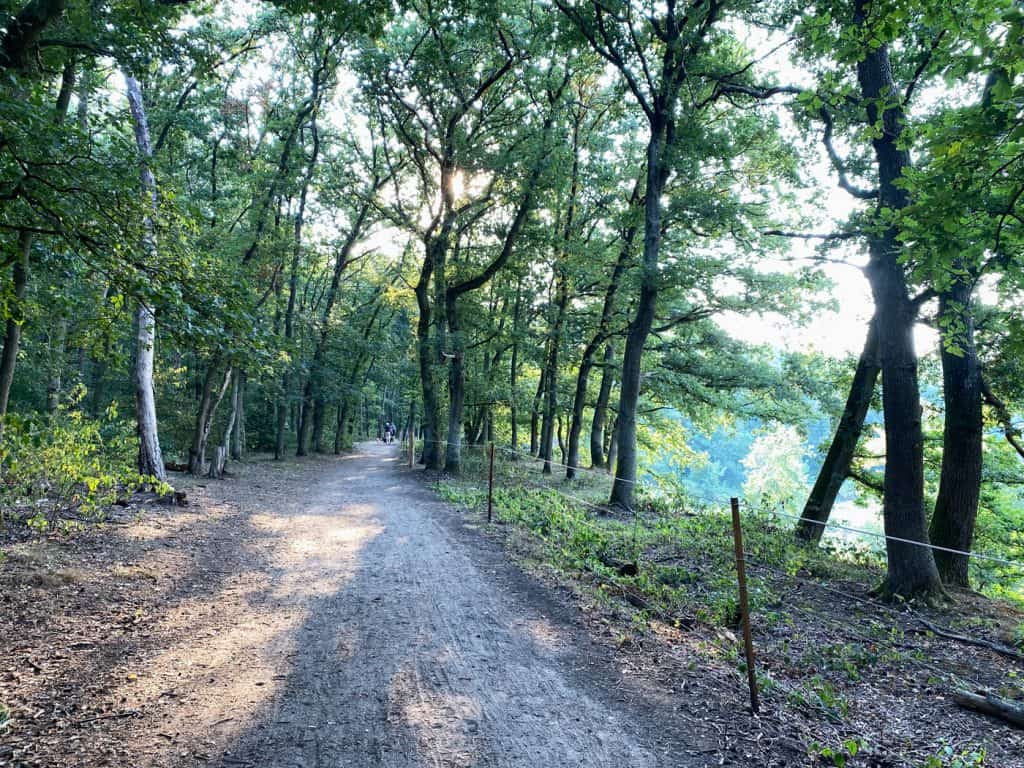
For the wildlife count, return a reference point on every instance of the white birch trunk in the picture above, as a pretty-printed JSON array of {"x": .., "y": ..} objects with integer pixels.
[{"x": 151, "y": 460}]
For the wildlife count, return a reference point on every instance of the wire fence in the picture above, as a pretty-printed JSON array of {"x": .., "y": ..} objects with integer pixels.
[
  {"x": 631, "y": 548},
  {"x": 722, "y": 503}
]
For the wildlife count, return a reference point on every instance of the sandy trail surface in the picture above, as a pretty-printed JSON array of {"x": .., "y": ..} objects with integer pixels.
[{"x": 392, "y": 645}]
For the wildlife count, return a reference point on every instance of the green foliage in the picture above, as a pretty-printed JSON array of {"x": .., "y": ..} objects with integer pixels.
[
  {"x": 818, "y": 696},
  {"x": 775, "y": 469},
  {"x": 951, "y": 757},
  {"x": 838, "y": 756},
  {"x": 67, "y": 463}
]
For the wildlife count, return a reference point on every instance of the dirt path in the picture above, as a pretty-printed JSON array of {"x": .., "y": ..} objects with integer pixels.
[
  {"x": 407, "y": 653},
  {"x": 330, "y": 612}
]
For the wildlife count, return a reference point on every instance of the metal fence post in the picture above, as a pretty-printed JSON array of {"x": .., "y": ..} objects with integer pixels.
[{"x": 741, "y": 576}]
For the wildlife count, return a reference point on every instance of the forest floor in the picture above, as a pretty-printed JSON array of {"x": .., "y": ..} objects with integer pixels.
[{"x": 332, "y": 612}]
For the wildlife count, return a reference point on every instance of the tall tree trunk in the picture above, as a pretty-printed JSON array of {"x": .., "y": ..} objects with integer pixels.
[
  {"x": 613, "y": 444},
  {"x": 340, "y": 426},
  {"x": 57, "y": 344},
  {"x": 587, "y": 359},
  {"x": 238, "y": 441},
  {"x": 305, "y": 421},
  {"x": 12, "y": 336},
  {"x": 151, "y": 462},
  {"x": 548, "y": 431},
  {"x": 640, "y": 327},
  {"x": 535, "y": 412},
  {"x": 911, "y": 568},
  {"x": 956, "y": 507},
  {"x": 22, "y": 30},
  {"x": 456, "y": 390},
  {"x": 208, "y": 404},
  {"x": 597, "y": 424},
  {"x": 836, "y": 468},
  {"x": 289, "y": 318},
  {"x": 513, "y": 373},
  {"x": 432, "y": 456},
  {"x": 319, "y": 414},
  {"x": 452, "y": 293}
]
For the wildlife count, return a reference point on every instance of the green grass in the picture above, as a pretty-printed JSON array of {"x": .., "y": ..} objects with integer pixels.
[{"x": 683, "y": 552}]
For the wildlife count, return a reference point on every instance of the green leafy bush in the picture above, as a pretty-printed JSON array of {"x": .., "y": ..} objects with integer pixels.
[{"x": 58, "y": 463}]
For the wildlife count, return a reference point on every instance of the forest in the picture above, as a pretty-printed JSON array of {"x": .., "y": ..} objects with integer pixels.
[{"x": 660, "y": 252}]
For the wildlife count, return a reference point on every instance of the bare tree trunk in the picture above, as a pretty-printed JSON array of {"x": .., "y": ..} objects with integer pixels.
[
  {"x": 910, "y": 567},
  {"x": 319, "y": 413},
  {"x": 56, "y": 344},
  {"x": 289, "y": 321},
  {"x": 513, "y": 375},
  {"x": 597, "y": 424},
  {"x": 613, "y": 444},
  {"x": 229, "y": 430},
  {"x": 640, "y": 327},
  {"x": 204, "y": 421},
  {"x": 956, "y": 507},
  {"x": 538, "y": 397},
  {"x": 238, "y": 442},
  {"x": 431, "y": 456},
  {"x": 836, "y": 467},
  {"x": 548, "y": 430},
  {"x": 456, "y": 390},
  {"x": 151, "y": 462},
  {"x": 12, "y": 336}
]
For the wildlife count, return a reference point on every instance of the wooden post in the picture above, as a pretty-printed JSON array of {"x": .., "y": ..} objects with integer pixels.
[
  {"x": 741, "y": 576},
  {"x": 490, "y": 486}
]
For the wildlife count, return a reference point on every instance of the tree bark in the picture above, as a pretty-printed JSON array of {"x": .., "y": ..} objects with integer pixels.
[
  {"x": 435, "y": 250},
  {"x": 204, "y": 419},
  {"x": 587, "y": 359},
  {"x": 640, "y": 327},
  {"x": 535, "y": 412},
  {"x": 289, "y": 317},
  {"x": 548, "y": 430},
  {"x": 597, "y": 424},
  {"x": 238, "y": 441},
  {"x": 613, "y": 444},
  {"x": 956, "y": 507},
  {"x": 57, "y": 344},
  {"x": 151, "y": 462},
  {"x": 911, "y": 567},
  {"x": 12, "y": 336},
  {"x": 836, "y": 467},
  {"x": 513, "y": 372},
  {"x": 456, "y": 389}
]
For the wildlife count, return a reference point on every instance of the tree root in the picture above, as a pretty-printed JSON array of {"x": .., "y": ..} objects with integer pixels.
[{"x": 1002, "y": 650}]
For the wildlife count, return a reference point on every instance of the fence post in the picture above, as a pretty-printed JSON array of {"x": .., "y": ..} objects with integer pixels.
[
  {"x": 741, "y": 576},
  {"x": 490, "y": 486}
]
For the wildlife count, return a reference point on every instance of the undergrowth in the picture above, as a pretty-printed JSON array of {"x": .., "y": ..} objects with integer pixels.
[{"x": 65, "y": 467}]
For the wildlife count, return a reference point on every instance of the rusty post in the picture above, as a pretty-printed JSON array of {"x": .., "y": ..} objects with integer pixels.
[
  {"x": 490, "y": 486},
  {"x": 741, "y": 576}
]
